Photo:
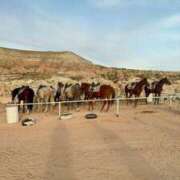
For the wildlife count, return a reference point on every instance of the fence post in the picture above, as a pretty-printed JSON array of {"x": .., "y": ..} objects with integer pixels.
[
  {"x": 59, "y": 110},
  {"x": 117, "y": 107},
  {"x": 170, "y": 103}
]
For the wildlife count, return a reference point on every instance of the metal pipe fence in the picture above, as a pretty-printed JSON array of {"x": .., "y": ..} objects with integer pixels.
[{"x": 170, "y": 99}]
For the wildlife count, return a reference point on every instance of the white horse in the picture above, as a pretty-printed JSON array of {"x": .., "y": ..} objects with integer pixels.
[{"x": 45, "y": 95}]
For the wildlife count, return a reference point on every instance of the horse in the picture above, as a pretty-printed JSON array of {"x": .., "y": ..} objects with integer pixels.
[
  {"x": 129, "y": 88},
  {"x": 156, "y": 88},
  {"x": 15, "y": 92},
  {"x": 45, "y": 94},
  {"x": 25, "y": 94},
  {"x": 71, "y": 92},
  {"x": 104, "y": 92},
  {"x": 85, "y": 89},
  {"x": 136, "y": 90},
  {"x": 59, "y": 90}
]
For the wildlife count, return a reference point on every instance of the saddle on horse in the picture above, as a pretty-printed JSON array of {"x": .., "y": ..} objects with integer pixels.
[
  {"x": 132, "y": 85},
  {"x": 95, "y": 87}
]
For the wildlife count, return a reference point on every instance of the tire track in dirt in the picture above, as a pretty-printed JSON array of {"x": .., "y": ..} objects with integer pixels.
[
  {"x": 166, "y": 138},
  {"x": 92, "y": 157},
  {"x": 59, "y": 164},
  {"x": 136, "y": 164}
]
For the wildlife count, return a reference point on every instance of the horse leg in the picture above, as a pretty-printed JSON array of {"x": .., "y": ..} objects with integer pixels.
[
  {"x": 19, "y": 106},
  {"x": 147, "y": 93},
  {"x": 43, "y": 106},
  {"x": 24, "y": 107},
  {"x": 104, "y": 103},
  {"x": 69, "y": 106},
  {"x": 40, "y": 106},
  {"x": 51, "y": 105},
  {"x": 155, "y": 100},
  {"x": 108, "y": 105},
  {"x": 146, "y": 98},
  {"x": 27, "y": 107},
  {"x": 46, "y": 105},
  {"x": 90, "y": 105},
  {"x": 136, "y": 100},
  {"x": 127, "y": 95},
  {"x": 77, "y": 106},
  {"x": 159, "y": 95},
  {"x": 130, "y": 96}
]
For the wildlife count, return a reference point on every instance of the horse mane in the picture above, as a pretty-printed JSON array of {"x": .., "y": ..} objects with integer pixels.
[
  {"x": 67, "y": 85},
  {"x": 161, "y": 80},
  {"x": 138, "y": 84},
  {"x": 41, "y": 86}
]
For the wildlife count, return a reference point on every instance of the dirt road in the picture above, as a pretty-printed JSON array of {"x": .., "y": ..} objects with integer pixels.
[{"x": 142, "y": 144}]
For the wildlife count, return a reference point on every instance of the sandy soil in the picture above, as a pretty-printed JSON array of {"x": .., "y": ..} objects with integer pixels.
[{"x": 142, "y": 144}]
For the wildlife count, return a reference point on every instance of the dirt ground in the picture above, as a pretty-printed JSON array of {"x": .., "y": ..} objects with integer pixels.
[{"x": 143, "y": 143}]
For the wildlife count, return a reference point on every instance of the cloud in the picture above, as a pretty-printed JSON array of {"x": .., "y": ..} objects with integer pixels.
[
  {"x": 172, "y": 21},
  {"x": 108, "y": 4}
]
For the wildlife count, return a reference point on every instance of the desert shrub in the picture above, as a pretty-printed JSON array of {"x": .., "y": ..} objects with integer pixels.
[
  {"x": 76, "y": 77},
  {"x": 112, "y": 76}
]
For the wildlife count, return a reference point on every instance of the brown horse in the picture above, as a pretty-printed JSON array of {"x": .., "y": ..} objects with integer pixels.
[
  {"x": 136, "y": 90},
  {"x": 156, "y": 88},
  {"x": 85, "y": 90},
  {"x": 105, "y": 92}
]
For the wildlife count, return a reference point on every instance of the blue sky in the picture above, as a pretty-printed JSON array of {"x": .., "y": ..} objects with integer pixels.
[{"x": 143, "y": 34}]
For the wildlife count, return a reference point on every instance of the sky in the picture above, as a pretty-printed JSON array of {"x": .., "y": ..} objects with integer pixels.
[{"x": 140, "y": 34}]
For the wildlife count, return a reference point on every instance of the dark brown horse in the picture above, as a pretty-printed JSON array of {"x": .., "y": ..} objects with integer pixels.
[
  {"x": 85, "y": 90},
  {"x": 136, "y": 90},
  {"x": 59, "y": 92},
  {"x": 105, "y": 92},
  {"x": 156, "y": 88},
  {"x": 24, "y": 94}
]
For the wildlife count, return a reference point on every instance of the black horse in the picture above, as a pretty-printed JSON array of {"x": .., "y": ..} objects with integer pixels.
[
  {"x": 15, "y": 92},
  {"x": 157, "y": 88},
  {"x": 136, "y": 90},
  {"x": 25, "y": 94}
]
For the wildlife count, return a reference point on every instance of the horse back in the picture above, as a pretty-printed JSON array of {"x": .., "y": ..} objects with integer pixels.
[{"x": 107, "y": 91}]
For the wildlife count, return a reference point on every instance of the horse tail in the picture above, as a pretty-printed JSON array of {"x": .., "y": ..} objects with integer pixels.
[
  {"x": 147, "y": 91},
  {"x": 126, "y": 90},
  {"x": 113, "y": 95}
]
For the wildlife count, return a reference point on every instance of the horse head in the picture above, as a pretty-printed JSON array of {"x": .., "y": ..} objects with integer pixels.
[
  {"x": 85, "y": 86},
  {"x": 166, "y": 81},
  {"x": 145, "y": 82},
  {"x": 60, "y": 85}
]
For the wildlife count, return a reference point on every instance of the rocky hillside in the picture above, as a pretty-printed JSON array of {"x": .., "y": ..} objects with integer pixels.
[{"x": 19, "y": 67}]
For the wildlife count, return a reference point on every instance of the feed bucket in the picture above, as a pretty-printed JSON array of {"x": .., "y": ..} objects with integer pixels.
[
  {"x": 150, "y": 98},
  {"x": 12, "y": 115}
]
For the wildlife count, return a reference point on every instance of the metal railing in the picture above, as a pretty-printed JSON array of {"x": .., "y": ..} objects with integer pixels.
[{"x": 169, "y": 98}]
